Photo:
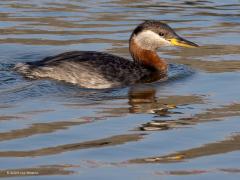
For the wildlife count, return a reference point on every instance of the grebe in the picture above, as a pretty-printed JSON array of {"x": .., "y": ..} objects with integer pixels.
[{"x": 90, "y": 69}]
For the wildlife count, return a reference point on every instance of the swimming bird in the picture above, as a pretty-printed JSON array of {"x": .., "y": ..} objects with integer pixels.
[{"x": 98, "y": 70}]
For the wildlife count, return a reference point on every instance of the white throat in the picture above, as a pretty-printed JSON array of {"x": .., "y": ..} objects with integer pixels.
[{"x": 150, "y": 40}]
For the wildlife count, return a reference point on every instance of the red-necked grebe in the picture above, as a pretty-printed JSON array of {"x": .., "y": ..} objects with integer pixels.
[{"x": 99, "y": 70}]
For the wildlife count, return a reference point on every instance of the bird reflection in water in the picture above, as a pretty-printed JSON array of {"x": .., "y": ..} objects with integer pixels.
[{"x": 144, "y": 100}]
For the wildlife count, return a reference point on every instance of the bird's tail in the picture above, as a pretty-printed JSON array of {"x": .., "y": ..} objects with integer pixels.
[{"x": 23, "y": 68}]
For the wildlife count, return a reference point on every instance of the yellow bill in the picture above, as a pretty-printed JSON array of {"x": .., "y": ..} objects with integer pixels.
[{"x": 182, "y": 42}]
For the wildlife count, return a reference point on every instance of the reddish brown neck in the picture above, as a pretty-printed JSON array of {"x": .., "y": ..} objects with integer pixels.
[{"x": 147, "y": 58}]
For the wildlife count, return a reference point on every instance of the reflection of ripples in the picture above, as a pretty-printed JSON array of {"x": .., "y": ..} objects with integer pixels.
[
  {"x": 224, "y": 146},
  {"x": 110, "y": 141},
  {"x": 215, "y": 114},
  {"x": 53, "y": 128},
  {"x": 179, "y": 71}
]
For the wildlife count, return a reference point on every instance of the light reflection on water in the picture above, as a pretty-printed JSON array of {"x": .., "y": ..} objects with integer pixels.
[{"x": 187, "y": 125}]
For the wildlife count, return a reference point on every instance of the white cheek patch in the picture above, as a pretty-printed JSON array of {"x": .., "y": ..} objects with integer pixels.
[{"x": 150, "y": 40}]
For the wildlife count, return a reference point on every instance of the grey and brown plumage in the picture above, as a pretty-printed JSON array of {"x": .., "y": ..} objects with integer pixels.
[{"x": 99, "y": 70}]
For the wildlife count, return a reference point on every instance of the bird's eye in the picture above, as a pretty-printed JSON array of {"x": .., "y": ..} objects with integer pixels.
[{"x": 161, "y": 34}]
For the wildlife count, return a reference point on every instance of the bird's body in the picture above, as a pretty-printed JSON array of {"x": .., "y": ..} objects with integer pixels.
[
  {"x": 99, "y": 70},
  {"x": 88, "y": 69}
]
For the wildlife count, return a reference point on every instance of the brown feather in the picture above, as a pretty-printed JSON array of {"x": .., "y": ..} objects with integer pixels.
[{"x": 147, "y": 58}]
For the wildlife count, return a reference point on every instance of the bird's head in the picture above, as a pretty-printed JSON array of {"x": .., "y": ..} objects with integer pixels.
[{"x": 151, "y": 35}]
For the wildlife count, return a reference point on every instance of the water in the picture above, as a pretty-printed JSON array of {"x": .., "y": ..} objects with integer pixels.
[{"x": 186, "y": 127}]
